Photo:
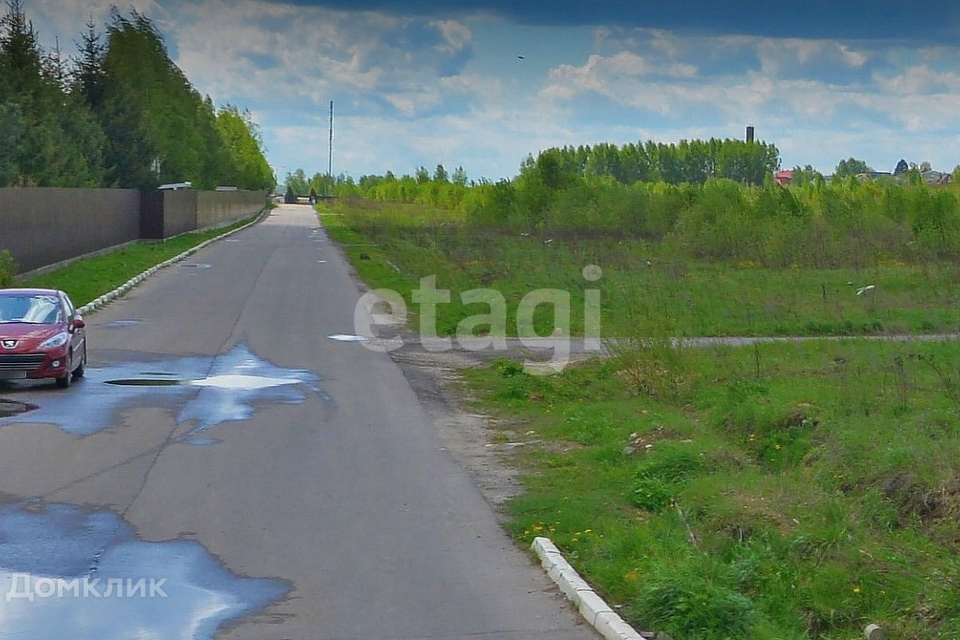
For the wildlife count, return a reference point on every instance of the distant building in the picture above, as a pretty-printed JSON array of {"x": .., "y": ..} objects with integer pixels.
[
  {"x": 936, "y": 177},
  {"x": 783, "y": 177},
  {"x": 873, "y": 175}
]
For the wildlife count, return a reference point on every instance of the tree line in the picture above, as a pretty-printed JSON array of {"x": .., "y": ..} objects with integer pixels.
[
  {"x": 557, "y": 169},
  {"x": 819, "y": 223},
  {"x": 686, "y": 162},
  {"x": 118, "y": 114}
]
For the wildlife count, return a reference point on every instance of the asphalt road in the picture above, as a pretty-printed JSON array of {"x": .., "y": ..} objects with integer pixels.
[{"x": 300, "y": 463}]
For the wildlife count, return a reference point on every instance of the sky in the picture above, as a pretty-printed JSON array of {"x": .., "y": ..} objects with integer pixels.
[{"x": 483, "y": 85}]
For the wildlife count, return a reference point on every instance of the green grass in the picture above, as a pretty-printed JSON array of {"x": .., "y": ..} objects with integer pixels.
[
  {"x": 640, "y": 280},
  {"x": 804, "y": 501},
  {"x": 89, "y": 278}
]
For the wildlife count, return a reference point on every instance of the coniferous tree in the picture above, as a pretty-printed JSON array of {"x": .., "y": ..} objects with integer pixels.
[
  {"x": 120, "y": 114},
  {"x": 57, "y": 142}
]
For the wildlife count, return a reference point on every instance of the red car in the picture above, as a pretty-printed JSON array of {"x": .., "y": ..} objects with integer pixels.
[{"x": 41, "y": 336}]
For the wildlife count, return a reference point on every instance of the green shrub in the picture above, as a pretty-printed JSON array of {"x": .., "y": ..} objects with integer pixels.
[
  {"x": 689, "y": 606},
  {"x": 652, "y": 494},
  {"x": 8, "y": 269},
  {"x": 671, "y": 462},
  {"x": 507, "y": 368},
  {"x": 661, "y": 474}
]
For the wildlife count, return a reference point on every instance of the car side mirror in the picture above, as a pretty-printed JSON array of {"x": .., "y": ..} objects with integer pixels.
[{"x": 78, "y": 323}]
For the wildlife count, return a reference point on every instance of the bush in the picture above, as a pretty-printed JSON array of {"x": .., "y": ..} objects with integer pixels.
[
  {"x": 8, "y": 269},
  {"x": 690, "y": 606}
]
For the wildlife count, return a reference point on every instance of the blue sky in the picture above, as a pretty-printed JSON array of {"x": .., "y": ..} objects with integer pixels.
[{"x": 442, "y": 82}]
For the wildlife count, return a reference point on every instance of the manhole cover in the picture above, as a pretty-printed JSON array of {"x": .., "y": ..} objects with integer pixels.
[
  {"x": 145, "y": 382},
  {"x": 13, "y": 408}
]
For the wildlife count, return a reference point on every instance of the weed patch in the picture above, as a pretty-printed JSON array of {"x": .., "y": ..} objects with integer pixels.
[
  {"x": 662, "y": 471},
  {"x": 688, "y": 605}
]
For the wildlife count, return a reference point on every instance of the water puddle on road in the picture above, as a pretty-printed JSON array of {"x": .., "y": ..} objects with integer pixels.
[
  {"x": 343, "y": 337},
  {"x": 207, "y": 391},
  {"x": 58, "y": 561}
]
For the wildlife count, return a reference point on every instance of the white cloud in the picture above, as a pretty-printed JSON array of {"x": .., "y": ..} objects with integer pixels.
[
  {"x": 315, "y": 53},
  {"x": 791, "y": 55},
  {"x": 457, "y": 36},
  {"x": 65, "y": 21},
  {"x": 620, "y": 77},
  {"x": 918, "y": 81}
]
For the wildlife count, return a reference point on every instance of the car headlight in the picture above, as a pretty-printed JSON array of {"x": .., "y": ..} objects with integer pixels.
[{"x": 56, "y": 341}]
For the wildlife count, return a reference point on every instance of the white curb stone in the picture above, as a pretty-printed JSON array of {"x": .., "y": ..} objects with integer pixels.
[
  {"x": 591, "y": 606},
  {"x": 612, "y": 627},
  {"x": 570, "y": 584}
]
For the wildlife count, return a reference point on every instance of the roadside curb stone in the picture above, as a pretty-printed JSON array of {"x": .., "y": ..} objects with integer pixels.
[{"x": 590, "y": 605}]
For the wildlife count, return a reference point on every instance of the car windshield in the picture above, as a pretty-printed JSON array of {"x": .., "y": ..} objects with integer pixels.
[{"x": 29, "y": 309}]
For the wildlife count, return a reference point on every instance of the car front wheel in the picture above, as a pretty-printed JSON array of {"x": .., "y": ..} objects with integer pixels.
[
  {"x": 64, "y": 381},
  {"x": 82, "y": 367}
]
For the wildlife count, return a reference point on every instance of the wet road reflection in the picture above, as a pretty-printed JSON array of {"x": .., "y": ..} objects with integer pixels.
[
  {"x": 209, "y": 392},
  {"x": 56, "y": 562}
]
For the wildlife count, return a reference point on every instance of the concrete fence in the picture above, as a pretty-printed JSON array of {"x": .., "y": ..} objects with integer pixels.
[{"x": 42, "y": 227}]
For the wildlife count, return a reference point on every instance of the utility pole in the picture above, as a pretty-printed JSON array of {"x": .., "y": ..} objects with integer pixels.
[{"x": 329, "y": 153}]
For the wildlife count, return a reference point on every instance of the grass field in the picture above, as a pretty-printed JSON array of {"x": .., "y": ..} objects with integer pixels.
[
  {"x": 784, "y": 490},
  {"x": 643, "y": 281}
]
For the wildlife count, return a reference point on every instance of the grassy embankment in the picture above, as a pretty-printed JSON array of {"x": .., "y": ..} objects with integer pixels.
[
  {"x": 89, "y": 278},
  {"x": 797, "y": 490}
]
